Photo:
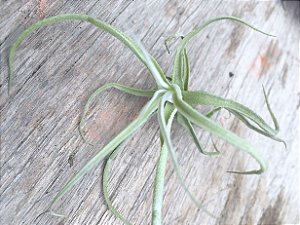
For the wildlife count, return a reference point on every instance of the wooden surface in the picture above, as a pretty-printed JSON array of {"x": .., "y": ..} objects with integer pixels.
[{"x": 57, "y": 67}]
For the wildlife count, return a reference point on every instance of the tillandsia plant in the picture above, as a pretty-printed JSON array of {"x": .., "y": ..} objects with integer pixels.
[{"x": 170, "y": 100}]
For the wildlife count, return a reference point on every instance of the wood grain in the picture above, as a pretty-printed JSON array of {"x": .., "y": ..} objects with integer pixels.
[{"x": 57, "y": 67}]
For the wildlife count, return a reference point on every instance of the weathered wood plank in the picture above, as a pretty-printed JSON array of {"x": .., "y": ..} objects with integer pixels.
[{"x": 58, "y": 67}]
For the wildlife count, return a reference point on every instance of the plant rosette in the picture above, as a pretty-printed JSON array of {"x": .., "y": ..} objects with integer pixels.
[{"x": 169, "y": 100}]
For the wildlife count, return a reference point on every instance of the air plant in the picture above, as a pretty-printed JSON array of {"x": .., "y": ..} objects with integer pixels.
[{"x": 169, "y": 100}]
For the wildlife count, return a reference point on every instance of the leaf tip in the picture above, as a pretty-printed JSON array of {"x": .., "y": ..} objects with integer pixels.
[{"x": 251, "y": 172}]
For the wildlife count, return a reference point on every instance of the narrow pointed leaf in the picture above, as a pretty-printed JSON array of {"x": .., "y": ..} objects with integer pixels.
[
  {"x": 160, "y": 173},
  {"x": 126, "y": 89},
  {"x": 185, "y": 70},
  {"x": 202, "y": 121},
  {"x": 165, "y": 131},
  {"x": 159, "y": 76},
  {"x": 212, "y": 112},
  {"x": 178, "y": 57},
  {"x": 275, "y": 122},
  {"x": 105, "y": 178},
  {"x": 189, "y": 127},
  {"x": 261, "y": 131},
  {"x": 151, "y": 106},
  {"x": 243, "y": 117},
  {"x": 204, "y": 98},
  {"x": 124, "y": 38}
]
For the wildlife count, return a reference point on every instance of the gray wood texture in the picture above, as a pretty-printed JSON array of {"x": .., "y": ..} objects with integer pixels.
[{"x": 56, "y": 68}]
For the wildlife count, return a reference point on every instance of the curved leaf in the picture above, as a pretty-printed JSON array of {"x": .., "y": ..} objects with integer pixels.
[
  {"x": 159, "y": 76},
  {"x": 160, "y": 173},
  {"x": 177, "y": 77},
  {"x": 126, "y": 89},
  {"x": 105, "y": 178},
  {"x": 204, "y": 98},
  {"x": 202, "y": 121},
  {"x": 147, "y": 111},
  {"x": 189, "y": 127},
  {"x": 248, "y": 124},
  {"x": 165, "y": 131},
  {"x": 124, "y": 38}
]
